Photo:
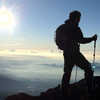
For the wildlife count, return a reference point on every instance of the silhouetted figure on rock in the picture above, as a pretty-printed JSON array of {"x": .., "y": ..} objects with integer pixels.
[{"x": 72, "y": 55}]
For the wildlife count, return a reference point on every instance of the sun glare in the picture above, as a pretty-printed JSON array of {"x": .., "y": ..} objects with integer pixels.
[{"x": 6, "y": 19}]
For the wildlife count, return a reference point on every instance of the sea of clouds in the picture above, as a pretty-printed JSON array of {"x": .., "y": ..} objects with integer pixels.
[{"x": 33, "y": 74}]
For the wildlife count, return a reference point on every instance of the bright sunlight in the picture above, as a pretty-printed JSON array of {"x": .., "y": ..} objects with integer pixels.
[{"x": 6, "y": 19}]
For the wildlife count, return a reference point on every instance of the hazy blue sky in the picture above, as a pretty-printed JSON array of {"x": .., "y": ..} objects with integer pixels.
[{"x": 35, "y": 21}]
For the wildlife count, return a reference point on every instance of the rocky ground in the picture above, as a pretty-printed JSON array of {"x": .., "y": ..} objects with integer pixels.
[{"x": 77, "y": 92}]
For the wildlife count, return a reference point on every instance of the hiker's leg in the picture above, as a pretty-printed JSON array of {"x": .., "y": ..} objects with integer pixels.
[
  {"x": 83, "y": 63},
  {"x": 67, "y": 73},
  {"x": 65, "y": 82},
  {"x": 89, "y": 76}
]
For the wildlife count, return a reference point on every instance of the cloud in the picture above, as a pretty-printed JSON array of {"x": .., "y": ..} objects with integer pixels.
[
  {"x": 4, "y": 66},
  {"x": 2, "y": 50},
  {"x": 41, "y": 71},
  {"x": 52, "y": 51},
  {"x": 33, "y": 87},
  {"x": 51, "y": 65},
  {"x": 60, "y": 51},
  {"x": 12, "y": 50},
  {"x": 33, "y": 52}
]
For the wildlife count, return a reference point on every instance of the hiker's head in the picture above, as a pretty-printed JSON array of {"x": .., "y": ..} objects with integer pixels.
[{"x": 75, "y": 15}]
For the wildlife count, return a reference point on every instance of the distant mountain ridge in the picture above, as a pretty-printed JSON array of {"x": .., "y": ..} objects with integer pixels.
[
  {"x": 77, "y": 92},
  {"x": 34, "y": 86}
]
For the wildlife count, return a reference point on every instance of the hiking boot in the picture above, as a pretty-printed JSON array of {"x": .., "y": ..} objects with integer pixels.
[{"x": 64, "y": 95}]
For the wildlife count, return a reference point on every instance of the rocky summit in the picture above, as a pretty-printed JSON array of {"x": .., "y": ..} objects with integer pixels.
[{"x": 77, "y": 91}]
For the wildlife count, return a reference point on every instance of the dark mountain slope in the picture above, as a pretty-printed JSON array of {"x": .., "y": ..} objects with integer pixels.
[{"x": 77, "y": 92}]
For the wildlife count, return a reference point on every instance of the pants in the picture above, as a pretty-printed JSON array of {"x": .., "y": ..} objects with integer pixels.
[{"x": 71, "y": 59}]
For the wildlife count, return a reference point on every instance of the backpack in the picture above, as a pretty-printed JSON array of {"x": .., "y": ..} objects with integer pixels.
[{"x": 61, "y": 37}]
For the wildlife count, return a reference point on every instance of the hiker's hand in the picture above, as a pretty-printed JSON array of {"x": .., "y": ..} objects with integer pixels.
[{"x": 95, "y": 37}]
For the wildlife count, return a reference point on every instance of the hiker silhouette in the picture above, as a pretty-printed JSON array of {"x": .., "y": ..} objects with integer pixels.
[{"x": 72, "y": 55}]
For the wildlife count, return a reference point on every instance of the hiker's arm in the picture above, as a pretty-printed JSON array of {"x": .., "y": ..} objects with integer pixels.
[
  {"x": 85, "y": 40},
  {"x": 81, "y": 39}
]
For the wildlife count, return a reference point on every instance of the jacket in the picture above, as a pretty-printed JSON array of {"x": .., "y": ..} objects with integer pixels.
[{"x": 75, "y": 35}]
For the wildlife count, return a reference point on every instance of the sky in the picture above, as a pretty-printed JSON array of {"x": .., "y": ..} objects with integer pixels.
[{"x": 33, "y": 23}]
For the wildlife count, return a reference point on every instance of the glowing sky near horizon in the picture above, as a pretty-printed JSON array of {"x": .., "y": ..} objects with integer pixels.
[{"x": 35, "y": 22}]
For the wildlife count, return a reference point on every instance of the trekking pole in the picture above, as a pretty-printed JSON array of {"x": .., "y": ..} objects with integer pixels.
[
  {"x": 93, "y": 61},
  {"x": 76, "y": 75},
  {"x": 77, "y": 67}
]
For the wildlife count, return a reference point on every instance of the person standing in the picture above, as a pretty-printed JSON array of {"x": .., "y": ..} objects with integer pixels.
[{"x": 72, "y": 55}]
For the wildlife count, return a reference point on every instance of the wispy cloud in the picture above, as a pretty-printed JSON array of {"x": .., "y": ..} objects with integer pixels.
[
  {"x": 56, "y": 54},
  {"x": 12, "y": 50},
  {"x": 52, "y": 65}
]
